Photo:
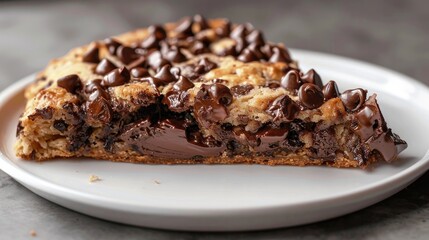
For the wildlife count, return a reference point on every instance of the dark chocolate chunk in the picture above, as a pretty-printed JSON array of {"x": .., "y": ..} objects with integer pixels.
[
  {"x": 283, "y": 109},
  {"x": 99, "y": 110},
  {"x": 126, "y": 54},
  {"x": 247, "y": 56},
  {"x": 330, "y": 90},
  {"x": 175, "y": 55},
  {"x": 310, "y": 95},
  {"x": 240, "y": 90},
  {"x": 325, "y": 144},
  {"x": 183, "y": 84},
  {"x": 255, "y": 37},
  {"x": 157, "y": 31},
  {"x": 117, "y": 77},
  {"x": 71, "y": 83},
  {"x": 60, "y": 125},
  {"x": 104, "y": 67},
  {"x": 139, "y": 72},
  {"x": 91, "y": 55},
  {"x": 210, "y": 103},
  {"x": 291, "y": 81},
  {"x": 167, "y": 139},
  {"x": 353, "y": 99},
  {"x": 312, "y": 77},
  {"x": 164, "y": 75},
  {"x": 112, "y": 45}
]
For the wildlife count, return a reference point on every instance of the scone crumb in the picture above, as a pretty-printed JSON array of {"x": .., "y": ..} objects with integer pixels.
[
  {"x": 94, "y": 178},
  {"x": 157, "y": 182},
  {"x": 33, "y": 233}
]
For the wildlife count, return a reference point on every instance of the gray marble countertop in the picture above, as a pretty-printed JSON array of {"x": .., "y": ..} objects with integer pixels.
[{"x": 393, "y": 34}]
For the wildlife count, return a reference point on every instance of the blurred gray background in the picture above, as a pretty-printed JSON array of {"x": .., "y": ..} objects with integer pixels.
[{"x": 393, "y": 34}]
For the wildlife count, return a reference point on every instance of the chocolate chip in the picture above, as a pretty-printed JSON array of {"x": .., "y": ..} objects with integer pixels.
[
  {"x": 176, "y": 71},
  {"x": 91, "y": 55},
  {"x": 175, "y": 55},
  {"x": 183, "y": 84},
  {"x": 330, "y": 90},
  {"x": 71, "y": 83},
  {"x": 310, "y": 95},
  {"x": 247, "y": 56},
  {"x": 199, "y": 47},
  {"x": 353, "y": 99},
  {"x": 221, "y": 94},
  {"x": 200, "y": 22},
  {"x": 139, "y": 62},
  {"x": 139, "y": 72},
  {"x": 228, "y": 51},
  {"x": 204, "y": 66},
  {"x": 104, "y": 67},
  {"x": 240, "y": 90},
  {"x": 256, "y": 49},
  {"x": 176, "y": 99},
  {"x": 60, "y": 125},
  {"x": 291, "y": 81},
  {"x": 150, "y": 42},
  {"x": 224, "y": 30},
  {"x": 210, "y": 103},
  {"x": 312, "y": 77},
  {"x": 164, "y": 75},
  {"x": 283, "y": 108},
  {"x": 95, "y": 90},
  {"x": 99, "y": 110},
  {"x": 112, "y": 45},
  {"x": 157, "y": 31},
  {"x": 279, "y": 55},
  {"x": 239, "y": 32},
  {"x": 126, "y": 54},
  {"x": 255, "y": 37},
  {"x": 240, "y": 45},
  {"x": 117, "y": 77},
  {"x": 155, "y": 60},
  {"x": 184, "y": 28}
]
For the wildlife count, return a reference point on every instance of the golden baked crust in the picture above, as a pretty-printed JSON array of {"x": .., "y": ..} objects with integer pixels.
[{"x": 70, "y": 114}]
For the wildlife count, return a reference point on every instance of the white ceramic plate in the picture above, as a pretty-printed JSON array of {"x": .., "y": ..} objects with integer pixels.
[{"x": 239, "y": 197}]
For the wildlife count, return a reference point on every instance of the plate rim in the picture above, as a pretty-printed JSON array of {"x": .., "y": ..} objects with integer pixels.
[{"x": 26, "y": 178}]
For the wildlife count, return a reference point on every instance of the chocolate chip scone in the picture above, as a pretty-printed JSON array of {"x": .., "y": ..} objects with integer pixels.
[{"x": 198, "y": 91}]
